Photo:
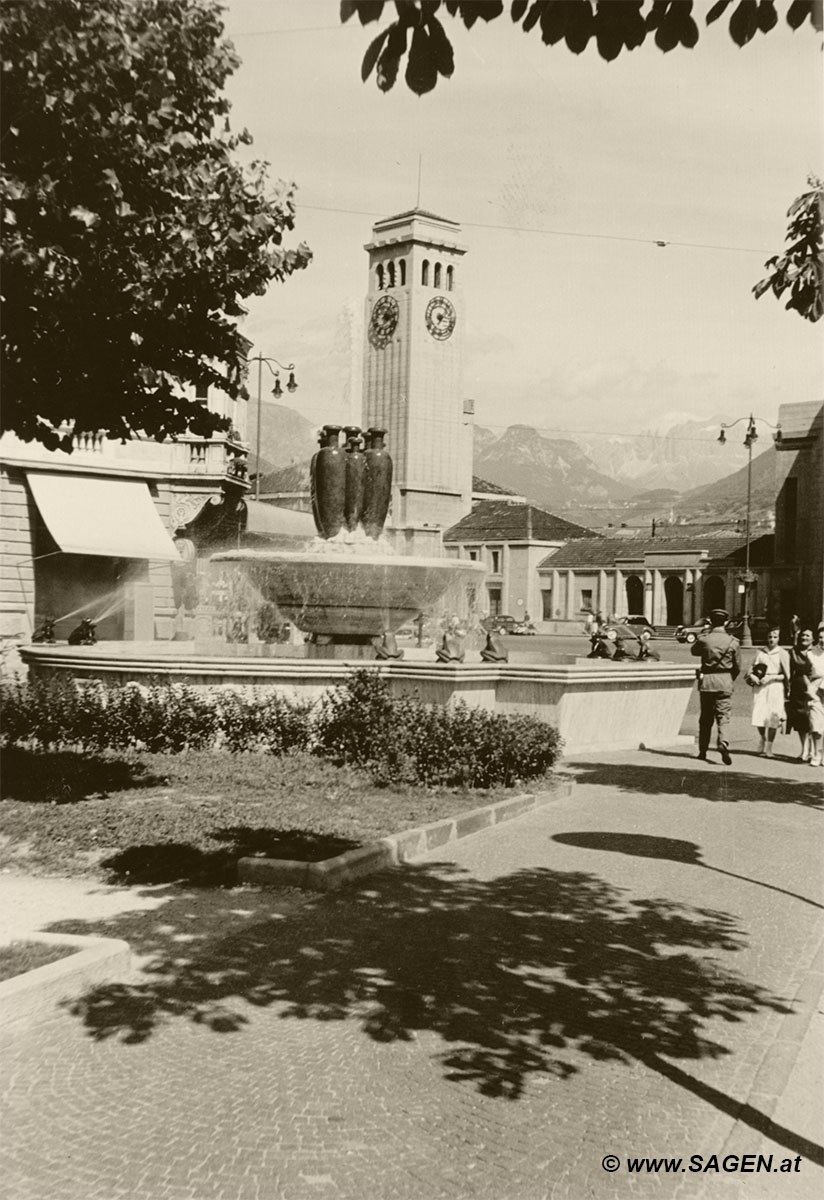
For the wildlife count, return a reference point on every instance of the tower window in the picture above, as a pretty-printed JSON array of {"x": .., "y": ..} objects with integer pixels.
[
  {"x": 379, "y": 275},
  {"x": 402, "y": 265},
  {"x": 425, "y": 273},
  {"x": 390, "y": 271},
  {"x": 202, "y": 392},
  {"x": 437, "y": 275},
  {"x": 449, "y": 278}
]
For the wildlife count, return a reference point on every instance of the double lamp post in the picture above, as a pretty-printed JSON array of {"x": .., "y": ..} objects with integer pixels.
[
  {"x": 277, "y": 392},
  {"x": 746, "y": 578}
]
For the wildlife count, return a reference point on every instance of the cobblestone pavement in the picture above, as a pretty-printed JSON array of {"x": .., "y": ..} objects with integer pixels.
[{"x": 629, "y": 971}]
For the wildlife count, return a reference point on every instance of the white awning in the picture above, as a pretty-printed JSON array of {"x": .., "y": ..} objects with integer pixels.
[
  {"x": 115, "y": 518},
  {"x": 273, "y": 521}
]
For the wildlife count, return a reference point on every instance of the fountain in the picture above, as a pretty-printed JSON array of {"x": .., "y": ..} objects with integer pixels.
[
  {"x": 349, "y": 595},
  {"x": 350, "y": 591}
]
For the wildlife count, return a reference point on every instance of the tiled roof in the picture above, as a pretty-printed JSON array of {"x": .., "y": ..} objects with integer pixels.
[
  {"x": 484, "y": 486},
  {"x": 503, "y": 521},
  {"x": 604, "y": 552}
]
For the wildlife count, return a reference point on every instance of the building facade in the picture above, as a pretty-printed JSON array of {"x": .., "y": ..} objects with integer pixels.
[
  {"x": 672, "y": 580},
  {"x": 511, "y": 538},
  {"x": 91, "y": 533},
  {"x": 798, "y": 574}
]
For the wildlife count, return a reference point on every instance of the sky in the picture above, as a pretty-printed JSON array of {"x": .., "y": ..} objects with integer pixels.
[{"x": 563, "y": 172}]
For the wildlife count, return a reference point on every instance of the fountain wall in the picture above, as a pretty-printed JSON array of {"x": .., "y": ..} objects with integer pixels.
[{"x": 595, "y": 704}]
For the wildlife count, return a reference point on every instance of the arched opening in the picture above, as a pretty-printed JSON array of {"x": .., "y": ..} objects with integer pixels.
[
  {"x": 390, "y": 274},
  {"x": 674, "y": 596},
  {"x": 425, "y": 273},
  {"x": 379, "y": 276},
  {"x": 437, "y": 275},
  {"x": 402, "y": 265},
  {"x": 449, "y": 278},
  {"x": 715, "y": 593},
  {"x": 634, "y": 588}
]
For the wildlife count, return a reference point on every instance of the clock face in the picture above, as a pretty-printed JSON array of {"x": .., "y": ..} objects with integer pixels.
[
  {"x": 440, "y": 318},
  {"x": 384, "y": 320}
]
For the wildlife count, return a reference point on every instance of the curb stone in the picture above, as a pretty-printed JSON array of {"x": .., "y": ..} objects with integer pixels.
[
  {"x": 33, "y": 997},
  {"x": 332, "y": 873}
]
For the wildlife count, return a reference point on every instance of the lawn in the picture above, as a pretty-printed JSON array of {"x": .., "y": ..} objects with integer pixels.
[
  {"x": 143, "y": 818},
  {"x": 19, "y": 957}
]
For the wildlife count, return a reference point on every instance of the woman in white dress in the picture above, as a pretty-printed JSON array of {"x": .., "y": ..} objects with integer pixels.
[
  {"x": 769, "y": 678},
  {"x": 815, "y": 685}
]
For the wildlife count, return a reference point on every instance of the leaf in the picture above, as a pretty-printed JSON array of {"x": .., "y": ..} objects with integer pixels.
[
  {"x": 717, "y": 10},
  {"x": 744, "y": 22},
  {"x": 369, "y": 10},
  {"x": 580, "y": 25},
  {"x": 798, "y": 13},
  {"x": 421, "y": 69},
  {"x": 390, "y": 56},
  {"x": 347, "y": 9},
  {"x": 767, "y": 17},
  {"x": 371, "y": 55},
  {"x": 84, "y": 215},
  {"x": 518, "y": 9},
  {"x": 441, "y": 48}
]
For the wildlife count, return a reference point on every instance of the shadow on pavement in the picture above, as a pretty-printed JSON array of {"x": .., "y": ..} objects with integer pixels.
[
  {"x": 718, "y": 783},
  {"x": 644, "y": 845},
  {"x": 528, "y": 974}
]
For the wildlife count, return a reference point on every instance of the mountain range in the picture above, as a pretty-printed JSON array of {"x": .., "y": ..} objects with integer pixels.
[{"x": 596, "y": 481}]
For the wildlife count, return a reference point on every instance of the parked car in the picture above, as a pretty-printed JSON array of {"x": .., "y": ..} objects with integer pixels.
[
  {"x": 639, "y": 622},
  {"x": 503, "y": 623},
  {"x": 525, "y": 628},
  {"x": 688, "y": 633}
]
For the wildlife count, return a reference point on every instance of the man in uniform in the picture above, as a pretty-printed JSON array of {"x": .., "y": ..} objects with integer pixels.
[{"x": 720, "y": 667}]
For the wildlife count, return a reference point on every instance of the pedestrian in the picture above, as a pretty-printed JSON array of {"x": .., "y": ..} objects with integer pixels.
[
  {"x": 815, "y": 685},
  {"x": 645, "y": 651},
  {"x": 798, "y": 699},
  {"x": 769, "y": 677},
  {"x": 795, "y": 625},
  {"x": 720, "y": 667}
]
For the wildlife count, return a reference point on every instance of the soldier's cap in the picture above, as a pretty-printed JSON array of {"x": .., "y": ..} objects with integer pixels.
[{"x": 719, "y": 616}]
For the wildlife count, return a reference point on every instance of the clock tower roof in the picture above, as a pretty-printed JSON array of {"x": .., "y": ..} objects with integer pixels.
[{"x": 417, "y": 225}]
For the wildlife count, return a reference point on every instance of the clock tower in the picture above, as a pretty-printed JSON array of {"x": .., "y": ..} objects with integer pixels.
[{"x": 413, "y": 374}]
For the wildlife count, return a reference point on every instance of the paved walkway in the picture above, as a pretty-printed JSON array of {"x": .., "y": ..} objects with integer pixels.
[{"x": 631, "y": 971}]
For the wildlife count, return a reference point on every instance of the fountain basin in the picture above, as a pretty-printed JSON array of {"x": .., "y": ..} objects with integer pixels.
[
  {"x": 350, "y": 595},
  {"x": 595, "y": 705}
]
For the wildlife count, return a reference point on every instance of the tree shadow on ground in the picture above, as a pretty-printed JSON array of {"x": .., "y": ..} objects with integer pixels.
[
  {"x": 67, "y": 776},
  {"x": 510, "y": 973},
  {"x": 182, "y": 863},
  {"x": 722, "y": 784},
  {"x": 526, "y": 975}
]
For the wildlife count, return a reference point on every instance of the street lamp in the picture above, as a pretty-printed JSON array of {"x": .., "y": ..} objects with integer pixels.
[
  {"x": 277, "y": 392},
  {"x": 747, "y": 578}
]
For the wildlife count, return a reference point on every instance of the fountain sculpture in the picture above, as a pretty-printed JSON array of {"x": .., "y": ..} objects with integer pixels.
[{"x": 350, "y": 592}]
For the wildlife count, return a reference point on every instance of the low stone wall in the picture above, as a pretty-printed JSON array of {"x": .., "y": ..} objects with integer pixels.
[{"x": 595, "y": 704}]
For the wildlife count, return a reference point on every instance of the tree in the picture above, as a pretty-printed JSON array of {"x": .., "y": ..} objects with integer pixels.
[
  {"x": 131, "y": 233},
  {"x": 801, "y": 268},
  {"x": 613, "y": 26}
]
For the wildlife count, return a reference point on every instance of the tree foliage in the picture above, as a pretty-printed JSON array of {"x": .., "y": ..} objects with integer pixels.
[
  {"x": 612, "y": 26},
  {"x": 131, "y": 232},
  {"x": 800, "y": 269}
]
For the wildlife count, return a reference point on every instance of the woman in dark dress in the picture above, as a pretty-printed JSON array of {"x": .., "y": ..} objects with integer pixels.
[{"x": 798, "y": 717}]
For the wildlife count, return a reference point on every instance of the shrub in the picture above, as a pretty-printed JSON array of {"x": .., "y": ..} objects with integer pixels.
[
  {"x": 404, "y": 740},
  {"x": 161, "y": 718}
]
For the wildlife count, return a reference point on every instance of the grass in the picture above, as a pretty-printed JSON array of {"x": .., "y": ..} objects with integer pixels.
[
  {"x": 19, "y": 957},
  {"x": 155, "y": 818}
]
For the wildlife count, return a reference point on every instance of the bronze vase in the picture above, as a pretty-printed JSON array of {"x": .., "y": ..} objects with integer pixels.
[
  {"x": 377, "y": 483},
  {"x": 329, "y": 483},
  {"x": 355, "y": 463}
]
